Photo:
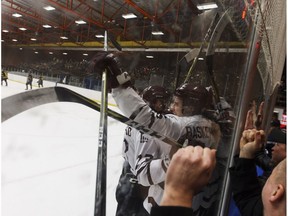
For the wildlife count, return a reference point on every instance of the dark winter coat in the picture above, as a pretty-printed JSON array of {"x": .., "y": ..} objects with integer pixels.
[
  {"x": 171, "y": 211},
  {"x": 246, "y": 187}
]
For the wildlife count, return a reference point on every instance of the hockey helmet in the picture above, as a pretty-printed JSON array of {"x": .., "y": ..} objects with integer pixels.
[
  {"x": 152, "y": 94},
  {"x": 195, "y": 98}
]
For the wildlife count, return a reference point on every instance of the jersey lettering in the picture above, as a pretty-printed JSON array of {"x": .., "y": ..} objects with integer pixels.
[
  {"x": 197, "y": 132},
  {"x": 144, "y": 129},
  {"x": 128, "y": 131},
  {"x": 143, "y": 138},
  {"x": 126, "y": 146}
]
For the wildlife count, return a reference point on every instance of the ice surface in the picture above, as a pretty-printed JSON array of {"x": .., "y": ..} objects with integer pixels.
[{"x": 49, "y": 156}]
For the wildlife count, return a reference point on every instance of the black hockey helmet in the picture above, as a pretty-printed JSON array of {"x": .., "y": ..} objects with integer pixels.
[
  {"x": 195, "y": 98},
  {"x": 153, "y": 93}
]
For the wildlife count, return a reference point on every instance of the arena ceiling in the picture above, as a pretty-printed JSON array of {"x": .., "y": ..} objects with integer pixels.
[{"x": 182, "y": 23}]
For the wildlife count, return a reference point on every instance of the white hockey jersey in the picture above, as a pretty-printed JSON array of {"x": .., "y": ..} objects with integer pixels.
[
  {"x": 148, "y": 156},
  {"x": 183, "y": 129}
]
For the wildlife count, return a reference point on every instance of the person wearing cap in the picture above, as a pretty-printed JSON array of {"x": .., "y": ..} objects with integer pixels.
[
  {"x": 252, "y": 198},
  {"x": 277, "y": 139},
  {"x": 275, "y": 123}
]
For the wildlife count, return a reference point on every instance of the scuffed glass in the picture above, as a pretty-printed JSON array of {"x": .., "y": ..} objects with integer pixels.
[{"x": 237, "y": 50}]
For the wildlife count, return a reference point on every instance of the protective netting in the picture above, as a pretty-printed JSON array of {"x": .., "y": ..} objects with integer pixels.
[{"x": 269, "y": 17}]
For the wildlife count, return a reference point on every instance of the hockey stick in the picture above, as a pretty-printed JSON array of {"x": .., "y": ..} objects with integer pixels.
[
  {"x": 115, "y": 43},
  {"x": 100, "y": 193},
  {"x": 19, "y": 103},
  {"x": 207, "y": 36},
  {"x": 101, "y": 171},
  {"x": 220, "y": 26},
  {"x": 185, "y": 62}
]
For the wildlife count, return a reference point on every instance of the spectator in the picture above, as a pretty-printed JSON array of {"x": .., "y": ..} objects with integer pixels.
[
  {"x": 275, "y": 123},
  {"x": 189, "y": 171},
  {"x": 278, "y": 139},
  {"x": 245, "y": 185}
]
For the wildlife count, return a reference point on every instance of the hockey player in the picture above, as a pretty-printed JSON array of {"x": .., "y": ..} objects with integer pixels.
[
  {"x": 188, "y": 127},
  {"x": 4, "y": 77},
  {"x": 29, "y": 81},
  {"x": 40, "y": 81},
  {"x": 140, "y": 148}
]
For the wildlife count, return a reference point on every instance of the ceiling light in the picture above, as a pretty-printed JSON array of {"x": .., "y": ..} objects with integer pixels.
[
  {"x": 64, "y": 53},
  {"x": 85, "y": 54},
  {"x": 33, "y": 39},
  {"x": 129, "y": 16},
  {"x": 36, "y": 52},
  {"x": 149, "y": 56},
  {"x": 64, "y": 38},
  {"x": 207, "y": 6},
  {"x": 23, "y": 29},
  {"x": 4, "y": 30},
  {"x": 80, "y": 22},
  {"x": 201, "y": 59},
  {"x": 20, "y": 48},
  {"x": 16, "y": 15},
  {"x": 14, "y": 40},
  {"x": 50, "y": 53},
  {"x": 99, "y": 36},
  {"x": 49, "y": 8},
  {"x": 46, "y": 26},
  {"x": 157, "y": 33}
]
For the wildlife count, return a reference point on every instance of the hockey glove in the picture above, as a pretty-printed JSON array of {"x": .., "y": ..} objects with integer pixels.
[
  {"x": 226, "y": 117},
  {"x": 104, "y": 60}
]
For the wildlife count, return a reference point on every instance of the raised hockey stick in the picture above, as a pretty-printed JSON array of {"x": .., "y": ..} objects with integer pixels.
[
  {"x": 184, "y": 63},
  {"x": 206, "y": 38},
  {"x": 19, "y": 103},
  {"x": 220, "y": 26},
  {"x": 101, "y": 171}
]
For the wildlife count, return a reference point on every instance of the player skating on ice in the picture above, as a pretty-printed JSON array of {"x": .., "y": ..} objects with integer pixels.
[
  {"x": 40, "y": 81},
  {"x": 29, "y": 81},
  {"x": 4, "y": 77}
]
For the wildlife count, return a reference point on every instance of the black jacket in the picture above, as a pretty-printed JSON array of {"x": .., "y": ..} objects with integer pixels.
[
  {"x": 246, "y": 187},
  {"x": 171, "y": 211}
]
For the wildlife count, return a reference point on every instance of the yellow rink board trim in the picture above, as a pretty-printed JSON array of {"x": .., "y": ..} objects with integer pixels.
[{"x": 97, "y": 101}]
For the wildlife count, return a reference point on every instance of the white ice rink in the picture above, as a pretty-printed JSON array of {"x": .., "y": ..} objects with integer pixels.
[{"x": 49, "y": 156}]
